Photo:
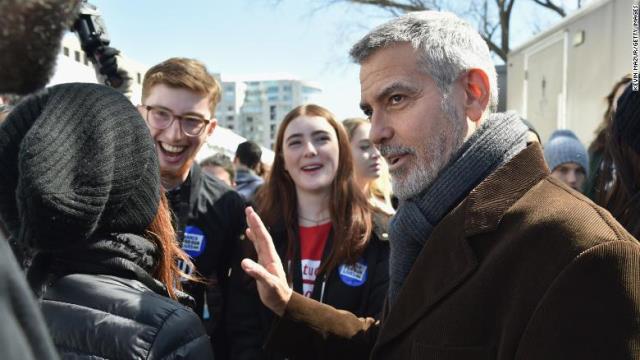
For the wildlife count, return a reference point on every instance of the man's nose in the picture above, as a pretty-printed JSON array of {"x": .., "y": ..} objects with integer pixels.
[
  {"x": 174, "y": 131},
  {"x": 380, "y": 131}
]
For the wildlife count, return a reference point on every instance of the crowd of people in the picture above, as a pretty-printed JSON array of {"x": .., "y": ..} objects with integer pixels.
[{"x": 434, "y": 228}]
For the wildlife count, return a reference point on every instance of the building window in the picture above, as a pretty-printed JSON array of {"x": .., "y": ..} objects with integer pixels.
[
  {"x": 272, "y": 112},
  {"x": 65, "y": 51},
  {"x": 77, "y": 55},
  {"x": 139, "y": 78},
  {"x": 249, "y": 119},
  {"x": 230, "y": 108},
  {"x": 230, "y": 126}
]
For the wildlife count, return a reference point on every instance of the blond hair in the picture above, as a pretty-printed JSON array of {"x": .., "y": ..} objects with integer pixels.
[{"x": 379, "y": 190}]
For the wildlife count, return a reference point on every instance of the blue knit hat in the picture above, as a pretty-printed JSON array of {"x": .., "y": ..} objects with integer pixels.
[{"x": 564, "y": 147}]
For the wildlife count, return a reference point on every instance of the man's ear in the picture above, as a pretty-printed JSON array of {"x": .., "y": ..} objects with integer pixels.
[
  {"x": 212, "y": 126},
  {"x": 477, "y": 93}
]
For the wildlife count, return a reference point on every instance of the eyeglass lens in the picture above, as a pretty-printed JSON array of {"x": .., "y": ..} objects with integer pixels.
[{"x": 162, "y": 119}]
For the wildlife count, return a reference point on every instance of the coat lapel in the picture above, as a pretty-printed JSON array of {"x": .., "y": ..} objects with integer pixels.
[
  {"x": 445, "y": 261},
  {"x": 447, "y": 258}
]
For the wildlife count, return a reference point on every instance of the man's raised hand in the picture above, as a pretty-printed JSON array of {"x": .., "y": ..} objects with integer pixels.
[{"x": 268, "y": 271}]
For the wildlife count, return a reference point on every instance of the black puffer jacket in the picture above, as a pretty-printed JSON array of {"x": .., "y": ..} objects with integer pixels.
[{"x": 105, "y": 306}]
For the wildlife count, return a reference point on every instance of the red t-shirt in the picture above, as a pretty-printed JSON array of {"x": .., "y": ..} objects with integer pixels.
[{"x": 312, "y": 242}]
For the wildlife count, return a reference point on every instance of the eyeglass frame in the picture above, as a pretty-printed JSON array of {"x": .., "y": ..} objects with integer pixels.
[{"x": 148, "y": 108}]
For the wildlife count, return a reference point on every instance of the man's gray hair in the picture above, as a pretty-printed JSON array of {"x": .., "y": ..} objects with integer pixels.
[{"x": 449, "y": 45}]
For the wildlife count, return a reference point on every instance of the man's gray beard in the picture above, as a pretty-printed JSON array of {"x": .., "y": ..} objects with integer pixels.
[
  {"x": 31, "y": 31},
  {"x": 435, "y": 155}
]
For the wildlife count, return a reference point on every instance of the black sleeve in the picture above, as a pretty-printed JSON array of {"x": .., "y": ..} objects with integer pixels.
[
  {"x": 380, "y": 281},
  {"x": 181, "y": 337},
  {"x": 23, "y": 333},
  {"x": 245, "y": 313}
]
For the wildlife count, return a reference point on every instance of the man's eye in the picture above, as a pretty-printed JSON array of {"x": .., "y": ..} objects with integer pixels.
[
  {"x": 396, "y": 99},
  {"x": 163, "y": 114},
  {"x": 365, "y": 147},
  {"x": 367, "y": 113}
]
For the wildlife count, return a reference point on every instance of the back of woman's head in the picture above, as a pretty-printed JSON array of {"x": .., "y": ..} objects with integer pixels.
[
  {"x": 77, "y": 160},
  {"x": 598, "y": 144},
  {"x": 350, "y": 212},
  {"x": 623, "y": 147}
]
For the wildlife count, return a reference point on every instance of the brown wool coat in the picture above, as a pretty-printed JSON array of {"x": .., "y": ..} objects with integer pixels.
[{"x": 523, "y": 268}]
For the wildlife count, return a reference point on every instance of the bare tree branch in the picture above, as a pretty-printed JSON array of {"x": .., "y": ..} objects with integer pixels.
[
  {"x": 553, "y": 7},
  {"x": 407, "y": 6},
  {"x": 493, "y": 23}
]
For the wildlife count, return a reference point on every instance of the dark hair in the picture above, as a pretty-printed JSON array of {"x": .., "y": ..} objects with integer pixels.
[
  {"x": 350, "y": 211},
  {"x": 598, "y": 144},
  {"x": 621, "y": 193},
  {"x": 222, "y": 161},
  {"x": 249, "y": 154}
]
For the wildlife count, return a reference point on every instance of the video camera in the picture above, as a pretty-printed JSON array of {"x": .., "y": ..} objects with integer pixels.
[{"x": 93, "y": 35}]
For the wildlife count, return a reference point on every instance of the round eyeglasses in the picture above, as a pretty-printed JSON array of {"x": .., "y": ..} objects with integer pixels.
[{"x": 161, "y": 118}]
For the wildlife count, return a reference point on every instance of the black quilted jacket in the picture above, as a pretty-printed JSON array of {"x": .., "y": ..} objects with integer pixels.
[{"x": 111, "y": 309}]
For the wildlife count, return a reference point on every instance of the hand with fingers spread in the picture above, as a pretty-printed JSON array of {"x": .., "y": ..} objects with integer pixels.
[{"x": 268, "y": 272}]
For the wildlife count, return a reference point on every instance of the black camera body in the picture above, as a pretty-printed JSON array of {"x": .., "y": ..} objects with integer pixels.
[{"x": 93, "y": 35}]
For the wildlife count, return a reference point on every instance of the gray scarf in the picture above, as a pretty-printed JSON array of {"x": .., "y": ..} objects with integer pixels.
[{"x": 498, "y": 139}]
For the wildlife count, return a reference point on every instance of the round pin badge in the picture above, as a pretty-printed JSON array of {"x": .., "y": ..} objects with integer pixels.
[
  {"x": 355, "y": 274},
  {"x": 194, "y": 241}
]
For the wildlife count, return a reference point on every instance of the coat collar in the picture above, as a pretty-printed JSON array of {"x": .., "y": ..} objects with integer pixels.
[{"x": 447, "y": 259}]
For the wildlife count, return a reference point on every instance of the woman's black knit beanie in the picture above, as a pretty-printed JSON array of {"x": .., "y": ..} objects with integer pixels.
[{"x": 76, "y": 159}]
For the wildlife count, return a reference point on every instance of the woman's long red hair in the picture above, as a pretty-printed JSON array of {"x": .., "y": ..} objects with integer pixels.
[
  {"x": 161, "y": 232},
  {"x": 350, "y": 211}
]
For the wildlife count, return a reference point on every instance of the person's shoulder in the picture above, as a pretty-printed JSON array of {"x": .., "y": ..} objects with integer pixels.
[
  {"x": 111, "y": 294},
  {"x": 130, "y": 316},
  {"x": 181, "y": 332},
  {"x": 565, "y": 213},
  {"x": 212, "y": 190}
]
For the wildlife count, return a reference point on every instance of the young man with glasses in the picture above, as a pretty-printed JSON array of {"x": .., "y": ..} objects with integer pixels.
[{"x": 179, "y": 97}]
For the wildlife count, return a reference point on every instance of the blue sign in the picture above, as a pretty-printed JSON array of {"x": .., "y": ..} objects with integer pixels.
[
  {"x": 354, "y": 275},
  {"x": 194, "y": 241}
]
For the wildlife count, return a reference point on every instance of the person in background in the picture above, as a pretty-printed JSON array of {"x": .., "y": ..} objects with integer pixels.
[
  {"x": 601, "y": 170},
  {"x": 179, "y": 97},
  {"x": 7, "y": 102},
  {"x": 371, "y": 171},
  {"x": 94, "y": 212},
  {"x": 567, "y": 158},
  {"x": 247, "y": 163},
  {"x": 622, "y": 195},
  {"x": 221, "y": 167},
  {"x": 26, "y": 65},
  {"x": 532, "y": 133},
  {"x": 491, "y": 257},
  {"x": 322, "y": 225}
]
